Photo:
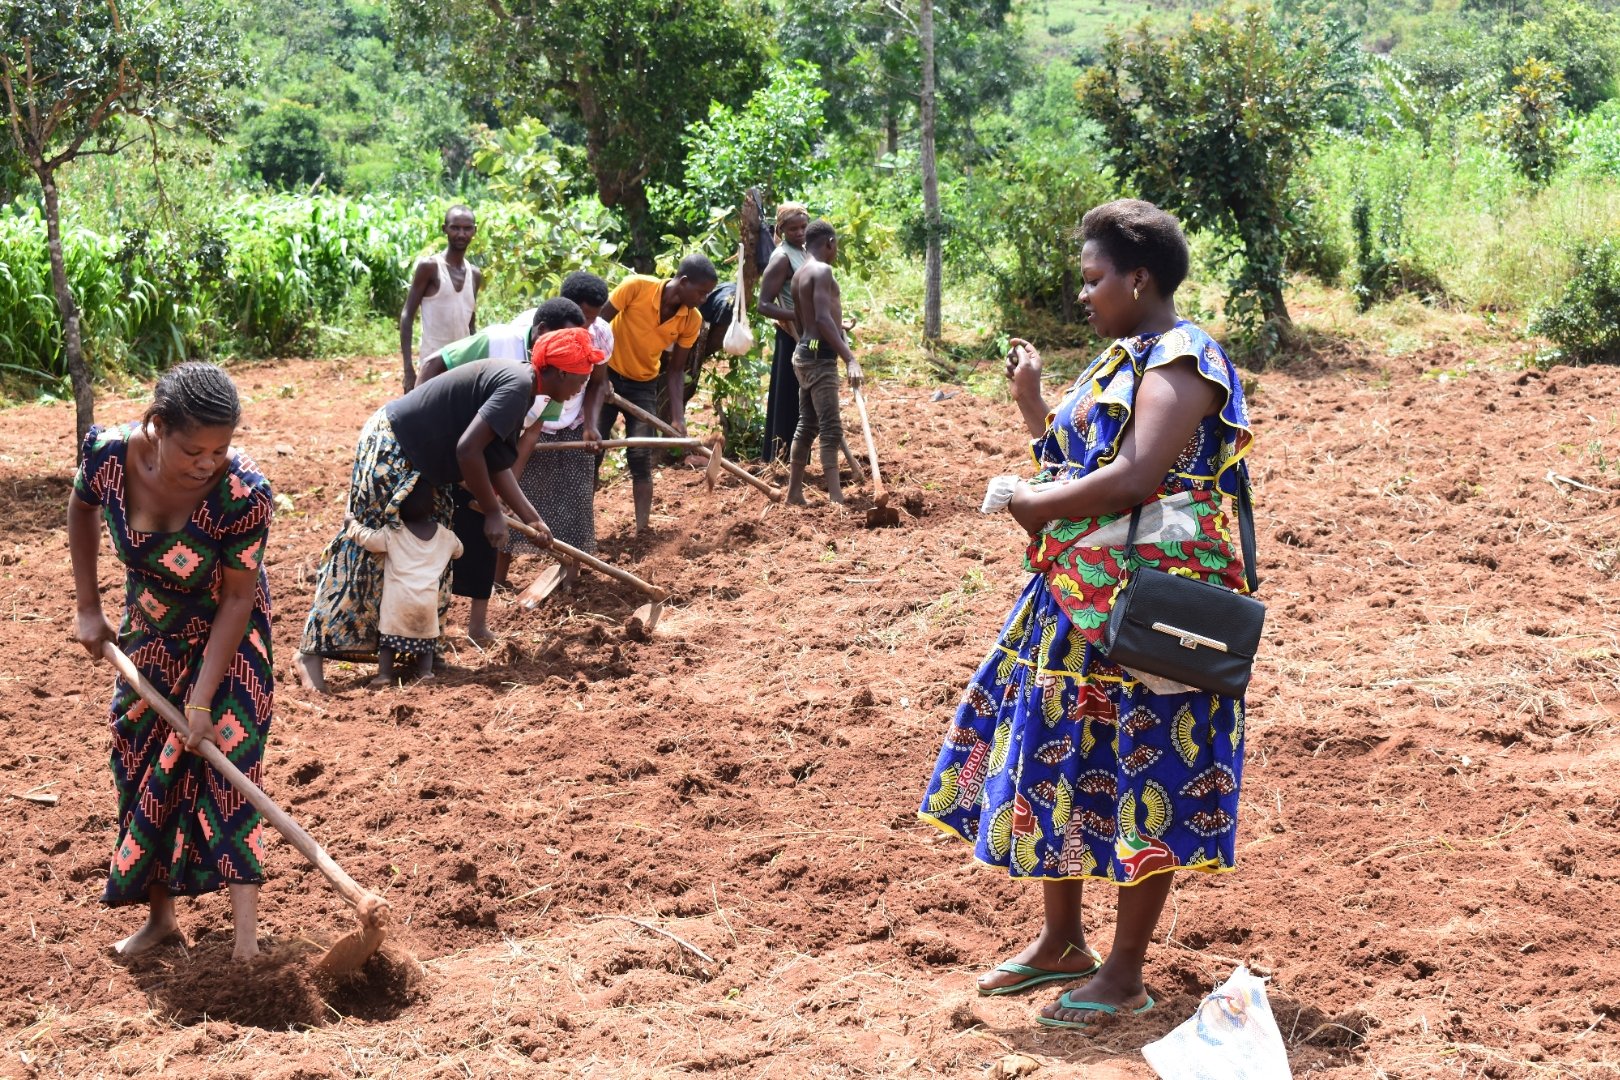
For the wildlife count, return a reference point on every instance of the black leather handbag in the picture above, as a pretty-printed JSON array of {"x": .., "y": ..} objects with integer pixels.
[{"x": 1195, "y": 632}]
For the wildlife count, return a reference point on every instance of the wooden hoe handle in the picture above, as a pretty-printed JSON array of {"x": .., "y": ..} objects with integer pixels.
[
  {"x": 615, "y": 444},
  {"x": 879, "y": 494},
  {"x": 360, "y": 899},
  {"x": 591, "y": 561},
  {"x": 623, "y": 405}
]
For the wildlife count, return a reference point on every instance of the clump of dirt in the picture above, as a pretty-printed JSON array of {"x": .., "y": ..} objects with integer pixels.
[
  {"x": 279, "y": 989},
  {"x": 275, "y": 991},
  {"x": 390, "y": 982}
]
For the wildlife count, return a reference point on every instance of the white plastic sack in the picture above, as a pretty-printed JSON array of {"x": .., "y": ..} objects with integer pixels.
[
  {"x": 1232, "y": 1036},
  {"x": 739, "y": 335}
]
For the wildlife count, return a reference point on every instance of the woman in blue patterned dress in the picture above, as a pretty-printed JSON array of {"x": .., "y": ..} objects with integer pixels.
[
  {"x": 188, "y": 518},
  {"x": 1059, "y": 765}
]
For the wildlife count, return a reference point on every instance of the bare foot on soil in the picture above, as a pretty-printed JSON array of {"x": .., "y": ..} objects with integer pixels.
[
  {"x": 1046, "y": 955},
  {"x": 245, "y": 950},
  {"x": 156, "y": 932},
  {"x": 796, "y": 499},
  {"x": 381, "y": 682},
  {"x": 309, "y": 670}
]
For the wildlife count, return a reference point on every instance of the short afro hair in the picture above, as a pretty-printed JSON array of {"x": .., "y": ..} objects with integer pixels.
[
  {"x": 558, "y": 314},
  {"x": 697, "y": 268},
  {"x": 819, "y": 231},
  {"x": 583, "y": 287},
  {"x": 1133, "y": 233}
]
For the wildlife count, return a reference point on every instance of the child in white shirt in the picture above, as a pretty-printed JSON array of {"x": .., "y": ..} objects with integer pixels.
[{"x": 415, "y": 554}]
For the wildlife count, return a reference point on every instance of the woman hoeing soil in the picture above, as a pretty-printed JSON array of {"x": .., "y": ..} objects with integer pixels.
[
  {"x": 462, "y": 428},
  {"x": 188, "y": 519}
]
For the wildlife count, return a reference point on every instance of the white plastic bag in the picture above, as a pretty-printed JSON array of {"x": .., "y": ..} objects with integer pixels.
[
  {"x": 1232, "y": 1036},
  {"x": 739, "y": 335}
]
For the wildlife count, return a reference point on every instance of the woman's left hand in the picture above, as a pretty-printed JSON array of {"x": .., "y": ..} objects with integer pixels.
[
  {"x": 202, "y": 724},
  {"x": 1025, "y": 509}
]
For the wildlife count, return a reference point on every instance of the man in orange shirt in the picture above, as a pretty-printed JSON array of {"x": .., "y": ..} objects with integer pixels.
[{"x": 648, "y": 316}]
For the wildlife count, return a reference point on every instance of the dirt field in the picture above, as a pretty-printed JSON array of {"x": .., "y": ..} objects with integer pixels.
[{"x": 1430, "y": 838}]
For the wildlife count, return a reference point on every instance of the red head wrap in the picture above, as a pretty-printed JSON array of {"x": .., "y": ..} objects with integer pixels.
[{"x": 571, "y": 350}]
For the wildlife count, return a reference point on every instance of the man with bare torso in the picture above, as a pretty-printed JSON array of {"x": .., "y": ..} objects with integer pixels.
[
  {"x": 445, "y": 288},
  {"x": 818, "y": 312}
]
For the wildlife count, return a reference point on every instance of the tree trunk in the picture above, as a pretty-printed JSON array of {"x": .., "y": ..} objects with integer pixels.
[
  {"x": 84, "y": 398},
  {"x": 1275, "y": 308},
  {"x": 932, "y": 265}
]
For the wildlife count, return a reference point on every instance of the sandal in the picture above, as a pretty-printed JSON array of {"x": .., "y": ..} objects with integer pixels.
[
  {"x": 1037, "y": 976},
  {"x": 1066, "y": 1002}
]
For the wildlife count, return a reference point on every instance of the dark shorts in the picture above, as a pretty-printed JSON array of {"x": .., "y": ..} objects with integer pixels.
[
  {"x": 644, "y": 394},
  {"x": 406, "y": 646},
  {"x": 472, "y": 575}
]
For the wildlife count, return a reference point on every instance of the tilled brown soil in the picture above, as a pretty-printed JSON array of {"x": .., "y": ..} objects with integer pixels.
[{"x": 698, "y": 853}]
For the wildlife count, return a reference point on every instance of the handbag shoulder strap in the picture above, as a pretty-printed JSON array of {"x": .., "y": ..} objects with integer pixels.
[{"x": 1245, "y": 512}]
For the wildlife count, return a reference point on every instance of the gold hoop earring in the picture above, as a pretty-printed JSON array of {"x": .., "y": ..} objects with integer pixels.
[{"x": 1136, "y": 292}]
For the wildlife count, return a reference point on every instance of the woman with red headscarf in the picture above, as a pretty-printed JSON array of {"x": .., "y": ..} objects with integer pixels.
[{"x": 461, "y": 427}]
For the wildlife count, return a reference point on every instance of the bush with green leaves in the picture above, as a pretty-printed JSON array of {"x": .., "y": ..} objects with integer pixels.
[
  {"x": 1580, "y": 42},
  {"x": 284, "y": 147},
  {"x": 771, "y": 141},
  {"x": 1528, "y": 122},
  {"x": 1594, "y": 141},
  {"x": 1585, "y": 322},
  {"x": 542, "y": 223}
]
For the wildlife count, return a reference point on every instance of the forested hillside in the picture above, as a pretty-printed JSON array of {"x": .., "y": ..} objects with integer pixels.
[{"x": 1462, "y": 157}]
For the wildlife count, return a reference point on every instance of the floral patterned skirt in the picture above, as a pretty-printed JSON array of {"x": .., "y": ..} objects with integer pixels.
[
  {"x": 342, "y": 623},
  {"x": 1062, "y": 765}
]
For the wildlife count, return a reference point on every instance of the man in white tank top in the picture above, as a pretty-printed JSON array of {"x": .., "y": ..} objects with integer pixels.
[{"x": 445, "y": 288}]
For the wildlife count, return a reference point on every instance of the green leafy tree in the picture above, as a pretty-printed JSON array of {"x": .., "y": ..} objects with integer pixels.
[
  {"x": 84, "y": 77},
  {"x": 869, "y": 56},
  {"x": 631, "y": 73},
  {"x": 1213, "y": 122},
  {"x": 1528, "y": 122},
  {"x": 284, "y": 147},
  {"x": 1581, "y": 42},
  {"x": 771, "y": 142},
  {"x": 548, "y": 229}
]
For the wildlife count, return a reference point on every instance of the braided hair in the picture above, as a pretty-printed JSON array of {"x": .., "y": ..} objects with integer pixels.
[{"x": 193, "y": 395}]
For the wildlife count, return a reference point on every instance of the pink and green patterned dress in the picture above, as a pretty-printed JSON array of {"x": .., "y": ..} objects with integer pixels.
[
  {"x": 180, "y": 824},
  {"x": 1060, "y": 764}
]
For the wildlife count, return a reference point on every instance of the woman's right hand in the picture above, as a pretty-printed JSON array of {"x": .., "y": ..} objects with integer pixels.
[
  {"x": 91, "y": 629},
  {"x": 1024, "y": 368},
  {"x": 495, "y": 529}
]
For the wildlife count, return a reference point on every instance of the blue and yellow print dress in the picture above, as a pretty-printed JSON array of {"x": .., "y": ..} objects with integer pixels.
[{"x": 1058, "y": 763}]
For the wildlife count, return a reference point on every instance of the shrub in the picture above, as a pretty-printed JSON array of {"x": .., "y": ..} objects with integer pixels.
[
  {"x": 284, "y": 147},
  {"x": 1526, "y": 124},
  {"x": 1585, "y": 322}
]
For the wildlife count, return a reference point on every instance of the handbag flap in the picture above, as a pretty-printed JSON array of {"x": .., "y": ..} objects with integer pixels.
[{"x": 1197, "y": 612}]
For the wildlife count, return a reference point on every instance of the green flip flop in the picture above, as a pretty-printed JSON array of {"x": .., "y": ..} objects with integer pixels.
[
  {"x": 1067, "y": 1002},
  {"x": 1037, "y": 976}
]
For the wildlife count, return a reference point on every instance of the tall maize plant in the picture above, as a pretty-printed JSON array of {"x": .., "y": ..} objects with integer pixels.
[{"x": 84, "y": 77}]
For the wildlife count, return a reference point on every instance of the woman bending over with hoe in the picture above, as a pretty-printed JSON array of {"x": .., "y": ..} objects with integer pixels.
[
  {"x": 188, "y": 519},
  {"x": 460, "y": 427},
  {"x": 1060, "y": 765}
]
